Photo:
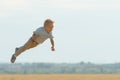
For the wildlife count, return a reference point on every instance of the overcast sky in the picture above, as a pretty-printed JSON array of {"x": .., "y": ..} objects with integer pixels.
[{"x": 85, "y": 30}]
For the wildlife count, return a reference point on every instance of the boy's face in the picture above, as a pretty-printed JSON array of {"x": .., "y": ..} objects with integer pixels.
[{"x": 49, "y": 27}]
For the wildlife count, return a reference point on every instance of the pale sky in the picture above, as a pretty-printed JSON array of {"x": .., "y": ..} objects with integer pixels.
[{"x": 85, "y": 30}]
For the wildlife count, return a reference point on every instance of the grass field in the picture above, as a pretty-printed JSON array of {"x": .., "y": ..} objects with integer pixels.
[{"x": 62, "y": 77}]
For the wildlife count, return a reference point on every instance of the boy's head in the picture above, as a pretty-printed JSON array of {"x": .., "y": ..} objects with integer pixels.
[{"x": 48, "y": 25}]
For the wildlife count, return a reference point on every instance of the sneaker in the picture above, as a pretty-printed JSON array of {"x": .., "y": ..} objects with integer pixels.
[{"x": 13, "y": 58}]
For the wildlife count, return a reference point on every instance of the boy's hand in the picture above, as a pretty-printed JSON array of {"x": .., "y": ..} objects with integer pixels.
[{"x": 52, "y": 49}]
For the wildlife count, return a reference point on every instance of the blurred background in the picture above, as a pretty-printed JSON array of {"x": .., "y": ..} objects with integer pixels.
[{"x": 85, "y": 30}]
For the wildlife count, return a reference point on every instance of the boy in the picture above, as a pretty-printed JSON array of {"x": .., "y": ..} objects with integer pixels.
[{"x": 38, "y": 37}]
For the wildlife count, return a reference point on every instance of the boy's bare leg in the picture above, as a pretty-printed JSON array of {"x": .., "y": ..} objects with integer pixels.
[{"x": 30, "y": 44}]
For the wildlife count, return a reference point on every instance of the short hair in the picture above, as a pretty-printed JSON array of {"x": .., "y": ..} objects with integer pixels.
[{"x": 48, "y": 21}]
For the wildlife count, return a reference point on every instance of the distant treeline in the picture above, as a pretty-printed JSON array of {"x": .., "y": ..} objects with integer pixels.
[{"x": 60, "y": 68}]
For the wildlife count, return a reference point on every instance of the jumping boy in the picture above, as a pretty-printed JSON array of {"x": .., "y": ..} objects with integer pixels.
[{"x": 38, "y": 37}]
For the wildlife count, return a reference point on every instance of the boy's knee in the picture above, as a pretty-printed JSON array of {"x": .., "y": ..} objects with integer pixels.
[{"x": 34, "y": 44}]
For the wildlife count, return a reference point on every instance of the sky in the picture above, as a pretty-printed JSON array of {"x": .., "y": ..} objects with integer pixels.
[{"x": 85, "y": 30}]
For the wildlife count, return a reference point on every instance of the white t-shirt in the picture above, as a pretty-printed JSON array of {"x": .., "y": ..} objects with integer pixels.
[{"x": 42, "y": 35}]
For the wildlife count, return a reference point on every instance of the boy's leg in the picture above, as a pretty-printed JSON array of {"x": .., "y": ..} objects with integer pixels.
[{"x": 30, "y": 44}]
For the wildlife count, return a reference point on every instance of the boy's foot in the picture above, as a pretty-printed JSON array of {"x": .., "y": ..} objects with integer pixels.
[{"x": 13, "y": 58}]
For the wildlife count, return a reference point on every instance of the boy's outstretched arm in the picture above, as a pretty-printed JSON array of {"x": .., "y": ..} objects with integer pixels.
[{"x": 52, "y": 43}]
